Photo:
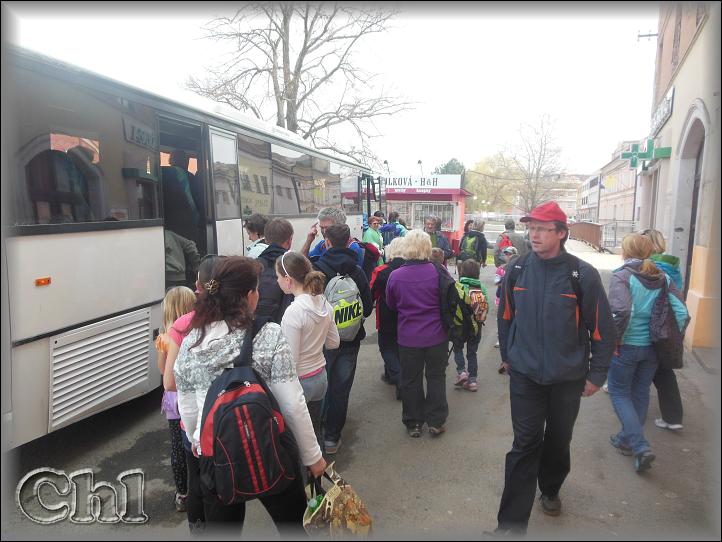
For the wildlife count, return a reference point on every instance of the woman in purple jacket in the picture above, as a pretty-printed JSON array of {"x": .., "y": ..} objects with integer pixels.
[{"x": 413, "y": 291}]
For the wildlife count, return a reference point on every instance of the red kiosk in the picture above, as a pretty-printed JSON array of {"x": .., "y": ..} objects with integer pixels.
[{"x": 441, "y": 195}]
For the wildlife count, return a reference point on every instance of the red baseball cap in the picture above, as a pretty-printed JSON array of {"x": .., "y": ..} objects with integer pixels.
[{"x": 546, "y": 212}]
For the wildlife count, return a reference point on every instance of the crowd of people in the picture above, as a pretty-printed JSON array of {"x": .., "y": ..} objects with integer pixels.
[{"x": 304, "y": 312}]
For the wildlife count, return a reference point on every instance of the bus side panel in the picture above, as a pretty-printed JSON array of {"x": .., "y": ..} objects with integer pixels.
[
  {"x": 92, "y": 275},
  {"x": 32, "y": 380},
  {"x": 229, "y": 235}
]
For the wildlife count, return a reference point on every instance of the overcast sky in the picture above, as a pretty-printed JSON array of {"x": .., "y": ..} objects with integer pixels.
[{"x": 475, "y": 71}]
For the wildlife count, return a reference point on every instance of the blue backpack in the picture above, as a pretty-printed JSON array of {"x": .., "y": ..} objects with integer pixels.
[{"x": 388, "y": 233}]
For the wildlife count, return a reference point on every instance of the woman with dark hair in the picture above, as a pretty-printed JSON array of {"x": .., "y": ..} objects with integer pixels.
[
  {"x": 255, "y": 228},
  {"x": 309, "y": 327},
  {"x": 467, "y": 225},
  {"x": 222, "y": 321}
]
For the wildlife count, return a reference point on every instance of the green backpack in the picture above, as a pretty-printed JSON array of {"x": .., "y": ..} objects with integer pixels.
[{"x": 468, "y": 247}]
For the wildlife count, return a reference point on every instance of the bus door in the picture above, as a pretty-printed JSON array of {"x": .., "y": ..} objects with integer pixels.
[
  {"x": 226, "y": 192},
  {"x": 185, "y": 209}
]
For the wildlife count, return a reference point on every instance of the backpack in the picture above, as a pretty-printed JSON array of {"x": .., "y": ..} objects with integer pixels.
[
  {"x": 456, "y": 315},
  {"x": 371, "y": 257},
  {"x": 505, "y": 242},
  {"x": 389, "y": 232},
  {"x": 467, "y": 248},
  {"x": 479, "y": 305},
  {"x": 348, "y": 308},
  {"x": 247, "y": 450},
  {"x": 667, "y": 339},
  {"x": 515, "y": 267}
]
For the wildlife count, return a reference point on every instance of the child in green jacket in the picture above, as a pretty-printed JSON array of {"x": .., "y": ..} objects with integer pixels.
[{"x": 471, "y": 290}]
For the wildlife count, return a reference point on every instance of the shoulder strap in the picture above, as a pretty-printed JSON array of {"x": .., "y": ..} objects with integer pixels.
[
  {"x": 573, "y": 267},
  {"x": 513, "y": 272},
  {"x": 245, "y": 358}
]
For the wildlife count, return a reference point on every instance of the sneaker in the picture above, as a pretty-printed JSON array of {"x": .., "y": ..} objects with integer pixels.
[
  {"x": 497, "y": 345},
  {"x": 435, "y": 431},
  {"x": 621, "y": 448},
  {"x": 551, "y": 505},
  {"x": 180, "y": 502},
  {"x": 659, "y": 422},
  {"x": 414, "y": 431},
  {"x": 461, "y": 377},
  {"x": 643, "y": 461},
  {"x": 605, "y": 388},
  {"x": 331, "y": 446},
  {"x": 471, "y": 385},
  {"x": 385, "y": 379}
]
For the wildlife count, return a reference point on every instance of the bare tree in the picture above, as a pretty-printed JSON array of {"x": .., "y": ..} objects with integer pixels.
[
  {"x": 295, "y": 63},
  {"x": 535, "y": 163}
]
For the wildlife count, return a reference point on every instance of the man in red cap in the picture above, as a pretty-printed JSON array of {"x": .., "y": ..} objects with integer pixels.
[{"x": 556, "y": 340}]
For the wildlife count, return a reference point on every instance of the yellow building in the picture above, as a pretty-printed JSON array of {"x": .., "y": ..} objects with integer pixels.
[{"x": 679, "y": 192}]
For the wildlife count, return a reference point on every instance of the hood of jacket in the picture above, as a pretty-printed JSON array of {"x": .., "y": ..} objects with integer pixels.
[
  {"x": 341, "y": 260},
  {"x": 665, "y": 258},
  {"x": 650, "y": 283},
  {"x": 272, "y": 253},
  {"x": 314, "y": 306},
  {"x": 468, "y": 281}
]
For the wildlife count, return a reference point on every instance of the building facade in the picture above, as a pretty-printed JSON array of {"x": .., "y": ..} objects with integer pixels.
[
  {"x": 678, "y": 191},
  {"x": 617, "y": 188}
]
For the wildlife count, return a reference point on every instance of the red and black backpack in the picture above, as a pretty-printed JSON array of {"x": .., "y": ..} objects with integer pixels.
[{"x": 247, "y": 452}]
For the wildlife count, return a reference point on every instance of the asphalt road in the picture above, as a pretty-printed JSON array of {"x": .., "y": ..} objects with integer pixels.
[{"x": 428, "y": 488}]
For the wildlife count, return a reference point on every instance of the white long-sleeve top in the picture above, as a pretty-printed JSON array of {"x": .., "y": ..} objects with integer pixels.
[
  {"x": 308, "y": 326},
  {"x": 197, "y": 367}
]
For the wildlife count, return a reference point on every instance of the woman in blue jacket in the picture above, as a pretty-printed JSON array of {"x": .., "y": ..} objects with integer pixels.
[{"x": 632, "y": 293}]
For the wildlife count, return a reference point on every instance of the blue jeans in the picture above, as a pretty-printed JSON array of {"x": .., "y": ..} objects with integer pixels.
[
  {"x": 341, "y": 369},
  {"x": 471, "y": 347},
  {"x": 629, "y": 378}
]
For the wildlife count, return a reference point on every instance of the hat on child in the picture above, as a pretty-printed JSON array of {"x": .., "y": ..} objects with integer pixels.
[{"x": 510, "y": 250}]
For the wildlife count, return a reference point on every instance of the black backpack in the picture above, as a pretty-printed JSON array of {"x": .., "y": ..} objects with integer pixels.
[
  {"x": 247, "y": 450},
  {"x": 516, "y": 266},
  {"x": 456, "y": 315},
  {"x": 667, "y": 339}
]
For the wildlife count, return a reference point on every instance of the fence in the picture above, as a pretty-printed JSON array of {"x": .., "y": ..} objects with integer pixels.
[
  {"x": 587, "y": 232},
  {"x": 614, "y": 232}
]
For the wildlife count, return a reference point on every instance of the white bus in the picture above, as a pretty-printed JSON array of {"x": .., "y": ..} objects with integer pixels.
[{"x": 87, "y": 193}]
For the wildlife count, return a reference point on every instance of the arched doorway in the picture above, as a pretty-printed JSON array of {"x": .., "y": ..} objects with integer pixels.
[{"x": 690, "y": 175}]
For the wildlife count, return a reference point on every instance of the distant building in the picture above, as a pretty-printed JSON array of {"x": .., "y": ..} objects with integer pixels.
[
  {"x": 588, "y": 199},
  {"x": 616, "y": 189}
]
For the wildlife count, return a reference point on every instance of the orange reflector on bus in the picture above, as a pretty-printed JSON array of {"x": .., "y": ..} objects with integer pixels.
[{"x": 42, "y": 282}]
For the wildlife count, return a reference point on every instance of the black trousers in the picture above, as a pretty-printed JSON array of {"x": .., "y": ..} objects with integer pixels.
[
  {"x": 670, "y": 402},
  {"x": 194, "y": 502},
  {"x": 286, "y": 510},
  {"x": 543, "y": 418},
  {"x": 418, "y": 407}
]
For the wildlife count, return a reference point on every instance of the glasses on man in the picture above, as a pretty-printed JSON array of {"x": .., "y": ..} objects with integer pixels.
[{"x": 539, "y": 229}]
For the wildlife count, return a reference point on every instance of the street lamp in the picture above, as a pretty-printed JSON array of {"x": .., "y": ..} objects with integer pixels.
[{"x": 421, "y": 167}]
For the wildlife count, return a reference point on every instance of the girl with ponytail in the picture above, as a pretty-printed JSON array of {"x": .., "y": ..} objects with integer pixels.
[
  {"x": 308, "y": 325},
  {"x": 634, "y": 288}
]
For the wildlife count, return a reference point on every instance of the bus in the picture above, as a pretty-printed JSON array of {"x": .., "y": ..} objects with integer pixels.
[{"x": 91, "y": 184}]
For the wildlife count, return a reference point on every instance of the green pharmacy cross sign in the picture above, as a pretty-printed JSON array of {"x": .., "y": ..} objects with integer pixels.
[{"x": 649, "y": 154}]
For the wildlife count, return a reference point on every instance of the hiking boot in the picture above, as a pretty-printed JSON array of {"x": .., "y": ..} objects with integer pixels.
[
  {"x": 659, "y": 422},
  {"x": 643, "y": 461},
  {"x": 435, "y": 431},
  {"x": 461, "y": 377},
  {"x": 180, "y": 502},
  {"x": 621, "y": 448},
  {"x": 551, "y": 505},
  {"x": 331, "y": 446},
  {"x": 471, "y": 385},
  {"x": 414, "y": 431}
]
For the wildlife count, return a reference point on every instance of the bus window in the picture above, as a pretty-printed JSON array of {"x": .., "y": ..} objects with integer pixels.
[{"x": 84, "y": 155}]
